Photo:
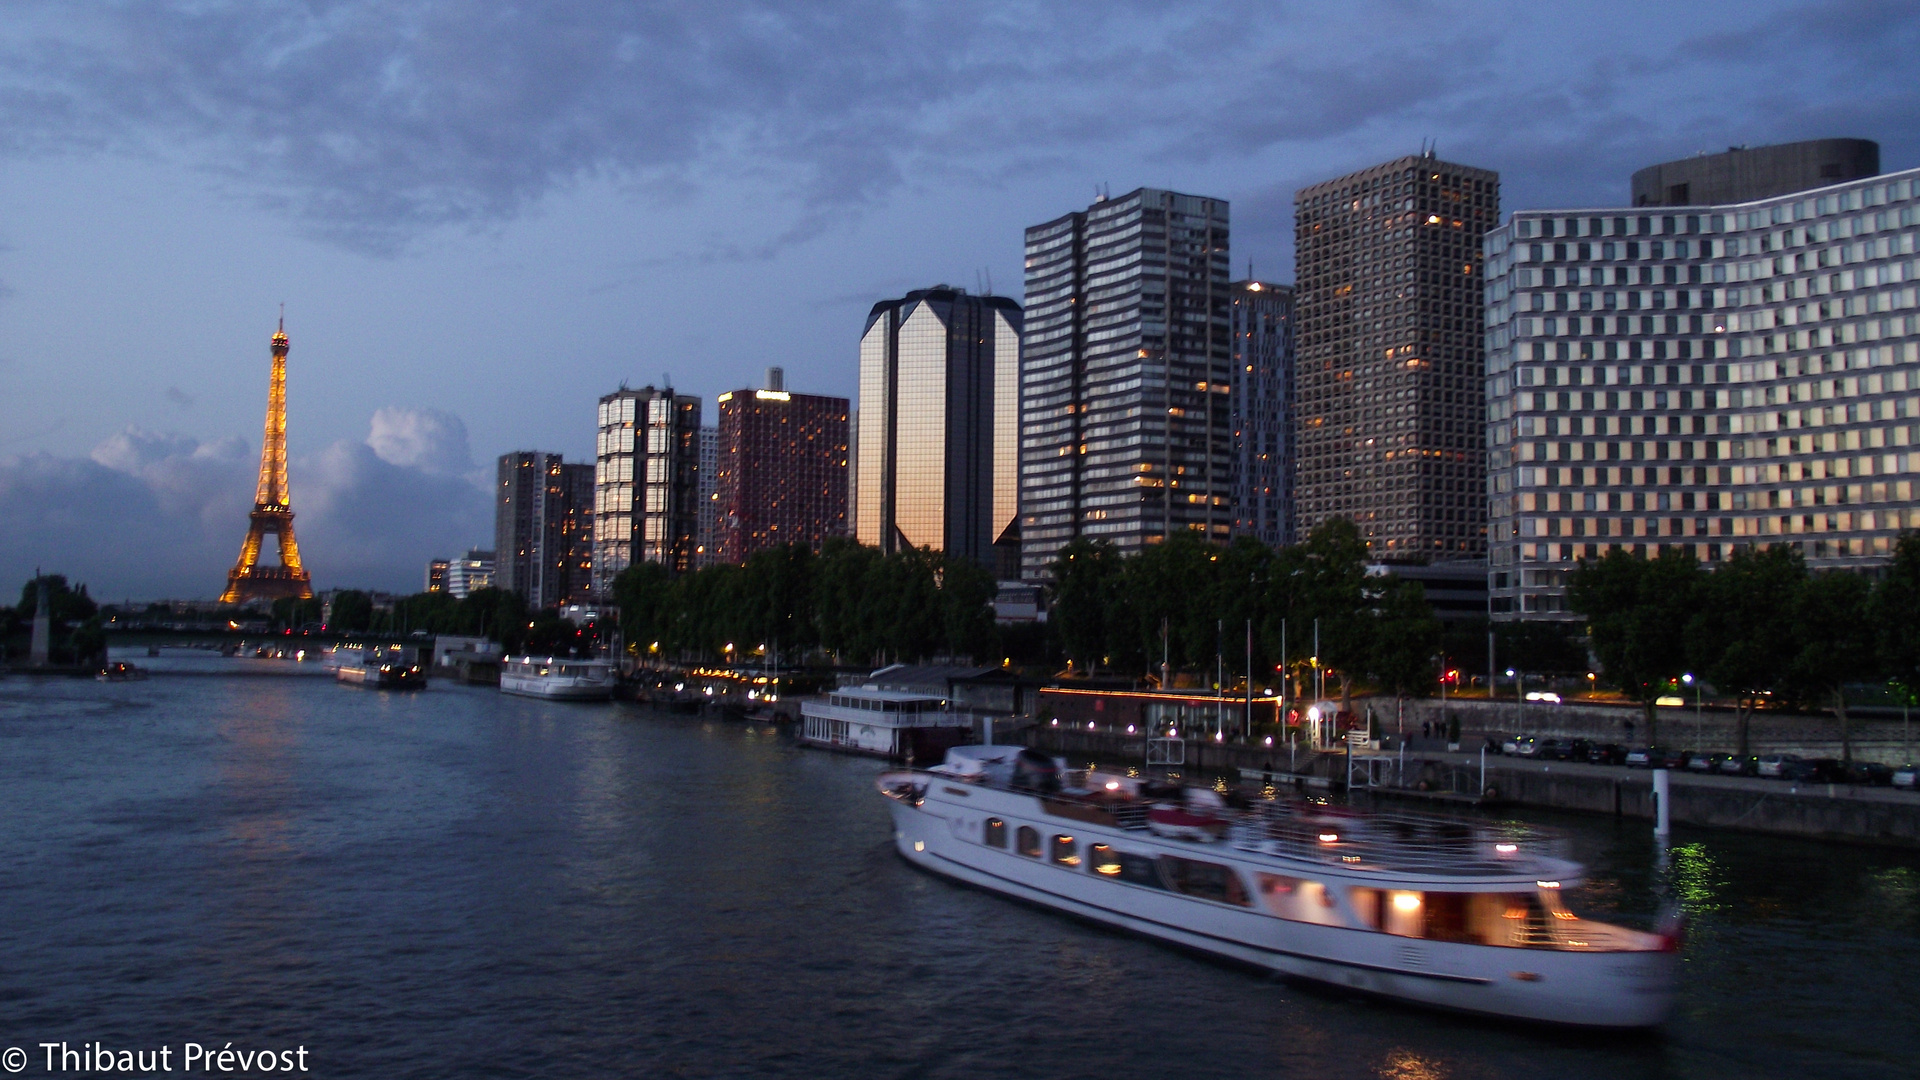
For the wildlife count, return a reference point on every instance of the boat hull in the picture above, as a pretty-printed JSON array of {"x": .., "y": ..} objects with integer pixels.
[
  {"x": 555, "y": 690},
  {"x": 1602, "y": 990}
]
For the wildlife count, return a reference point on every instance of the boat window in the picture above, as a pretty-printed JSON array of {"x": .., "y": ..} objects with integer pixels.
[
  {"x": 996, "y": 833},
  {"x": 1209, "y": 881},
  {"x": 1299, "y": 899},
  {"x": 1029, "y": 839},
  {"x": 1101, "y": 859},
  {"x": 1065, "y": 851}
]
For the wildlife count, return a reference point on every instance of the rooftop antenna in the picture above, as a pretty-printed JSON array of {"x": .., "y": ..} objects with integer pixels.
[
  {"x": 666, "y": 380},
  {"x": 989, "y": 281},
  {"x": 283, "y": 315}
]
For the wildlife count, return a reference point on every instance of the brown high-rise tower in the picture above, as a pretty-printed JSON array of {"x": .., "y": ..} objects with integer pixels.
[{"x": 272, "y": 510}]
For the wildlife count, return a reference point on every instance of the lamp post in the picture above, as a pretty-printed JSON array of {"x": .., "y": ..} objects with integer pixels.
[{"x": 1688, "y": 679}]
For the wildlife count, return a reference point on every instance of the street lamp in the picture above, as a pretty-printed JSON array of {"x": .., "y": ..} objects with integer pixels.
[{"x": 1688, "y": 679}]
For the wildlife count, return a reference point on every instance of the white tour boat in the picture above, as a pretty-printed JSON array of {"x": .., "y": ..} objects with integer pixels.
[
  {"x": 895, "y": 724},
  {"x": 1446, "y": 913},
  {"x": 560, "y": 679},
  {"x": 389, "y": 667}
]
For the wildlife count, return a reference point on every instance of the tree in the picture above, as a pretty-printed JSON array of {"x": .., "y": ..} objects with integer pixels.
[
  {"x": 1085, "y": 592},
  {"x": 1896, "y": 617},
  {"x": 1637, "y": 611},
  {"x": 352, "y": 612},
  {"x": 1405, "y": 639},
  {"x": 1742, "y": 637},
  {"x": 1834, "y": 640}
]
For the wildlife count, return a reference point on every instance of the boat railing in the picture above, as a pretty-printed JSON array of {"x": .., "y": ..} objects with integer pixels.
[{"x": 1379, "y": 841}]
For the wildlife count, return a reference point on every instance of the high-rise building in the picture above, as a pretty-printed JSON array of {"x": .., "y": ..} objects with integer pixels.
[
  {"x": 470, "y": 573},
  {"x": 1126, "y": 433},
  {"x": 939, "y": 408},
  {"x": 1389, "y": 418},
  {"x": 437, "y": 575},
  {"x": 541, "y": 533},
  {"x": 1707, "y": 378},
  {"x": 646, "y": 498},
  {"x": 707, "y": 541},
  {"x": 1744, "y": 174},
  {"x": 782, "y": 476},
  {"x": 1262, "y": 400}
]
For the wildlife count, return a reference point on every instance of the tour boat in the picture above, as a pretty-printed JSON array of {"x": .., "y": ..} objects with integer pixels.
[
  {"x": 119, "y": 671},
  {"x": 896, "y": 724},
  {"x": 394, "y": 667},
  {"x": 557, "y": 678},
  {"x": 1460, "y": 915}
]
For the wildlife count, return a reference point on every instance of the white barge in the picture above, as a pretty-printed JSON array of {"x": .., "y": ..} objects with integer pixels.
[
  {"x": 557, "y": 679},
  {"x": 1451, "y": 914},
  {"x": 896, "y": 724}
]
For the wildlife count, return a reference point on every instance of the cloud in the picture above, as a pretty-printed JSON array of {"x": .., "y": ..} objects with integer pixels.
[
  {"x": 149, "y": 514},
  {"x": 180, "y": 397},
  {"x": 425, "y": 439}
]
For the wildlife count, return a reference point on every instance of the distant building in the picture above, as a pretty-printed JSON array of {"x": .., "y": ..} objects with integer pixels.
[
  {"x": 1704, "y": 379},
  {"x": 437, "y": 575},
  {"x": 707, "y": 542},
  {"x": 1262, "y": 402},
  {"x": 1745, "y": 175},
  {"x": 542, "y": 538},
  {"x": 647, "y": 482},
  {"x": 939, "y": 408},
  {"x": 1388, "y": 408},
  {"x": 470, "y": 573},
  {"x": 782, "y": 476},
  {"x": 1125, "y": 426}
]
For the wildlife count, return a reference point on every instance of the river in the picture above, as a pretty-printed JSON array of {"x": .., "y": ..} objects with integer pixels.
[{"x": 455, "y": 883}]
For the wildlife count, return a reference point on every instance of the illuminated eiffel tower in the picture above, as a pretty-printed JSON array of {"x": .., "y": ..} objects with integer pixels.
[{"x": 272, "y": 510}]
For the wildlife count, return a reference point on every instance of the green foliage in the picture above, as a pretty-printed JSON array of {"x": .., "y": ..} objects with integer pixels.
[
  {"x": 1540, "y": 648},
  {"x": 1637, "y": 611},
  {"x": 352, "y": 612},
  {"x": 65, "y": 604},
  {"x": 1896, "y": 616},
  {"x": 848, "y": 599},
  {"x": 1742, "y": 636},
  {"x": 1834, "y": 640}
]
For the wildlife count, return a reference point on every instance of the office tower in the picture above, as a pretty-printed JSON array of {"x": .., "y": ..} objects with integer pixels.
[
  {"x": 646, "y": 496},
  {"x": 437, "y": 575},
  {"x": 707, "y": 540},
  {"x": 1745, "y": 174},
  {"x": 939, "y": 407},
  {"x": 782, "y": 476},
  {"x": 1389, "y": 421},
  {"x": 1261, "y": 321},
  {"x": 1126, "y": 433},
  {"x": 542, "y": 535},
  {"x": 470, "y": 573},
  {"x": 1722, "y": 376}
]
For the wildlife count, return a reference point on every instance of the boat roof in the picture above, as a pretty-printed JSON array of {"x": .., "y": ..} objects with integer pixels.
[{"x": 871, "y": 692}]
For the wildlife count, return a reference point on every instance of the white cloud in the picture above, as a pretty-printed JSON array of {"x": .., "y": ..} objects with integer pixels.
[
  {"x": 151, "y": 514},
  {"x": 421, "y": 438}
]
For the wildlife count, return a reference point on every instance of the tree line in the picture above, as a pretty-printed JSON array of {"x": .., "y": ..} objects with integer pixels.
[
  {"x": 847, "y": 599},
  {"x": 1759, "y": 627},
  {"x": 1186, "y": 601},
  {"x": 77, "y": 636}
]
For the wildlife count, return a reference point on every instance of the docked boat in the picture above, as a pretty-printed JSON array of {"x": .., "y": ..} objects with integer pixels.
[
  {"x": 557, "y": 679},
  {"x": 1452, "y": 914},
  {"x": 896, "y": 724},
  {"x": 388, "y": 667}
]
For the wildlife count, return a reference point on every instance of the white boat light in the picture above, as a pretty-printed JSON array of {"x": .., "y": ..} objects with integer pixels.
[
  {"x": 1269, "y": 740},
  {"x": 1406, "y": 901},
  {"x": 919, "y": 845},
  {"x": 1506, "y": 849},
  {"x": 1328, "y": 837},
  {"x": 1548, "y": 884},
  {"x": 1113, "y": 785}
]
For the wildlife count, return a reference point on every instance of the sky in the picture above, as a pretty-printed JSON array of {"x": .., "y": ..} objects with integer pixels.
[{"x": 483, "y": 215}]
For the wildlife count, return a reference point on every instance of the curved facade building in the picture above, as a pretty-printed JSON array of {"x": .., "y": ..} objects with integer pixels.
[
  {"x": 1744, "y": 174},
  {"x": 1743, "y": 374}
]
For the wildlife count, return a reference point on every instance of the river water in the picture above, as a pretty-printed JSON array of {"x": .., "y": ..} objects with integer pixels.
[{"x": 454, "y": 883}]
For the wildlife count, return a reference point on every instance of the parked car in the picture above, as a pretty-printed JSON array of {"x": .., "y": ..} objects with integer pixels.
[
  {"x": 1579, "y": 749},
  {"x": 1701, "y": 761},
  {"x": 1906, "y": 776},
  {"x": 1551, "y": 750},
  {"x": 1872, "y": 772},
  {"x": 1607, "y": 754},
  {"x": 1670, "y": 759},
  {"x": 1774, "y": 766},
  {"x": 1817, "y": 771},
  {"x": 1735, "y": 765},
  {"x": 1642, "y": 757},
  {"x": 1525, "y": 746}
]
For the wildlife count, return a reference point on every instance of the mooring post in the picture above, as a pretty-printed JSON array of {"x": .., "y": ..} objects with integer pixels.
[{"x": 1662, "y": 820}]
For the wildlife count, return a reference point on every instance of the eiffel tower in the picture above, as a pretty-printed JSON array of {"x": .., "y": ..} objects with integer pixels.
[{"x": 272, "y": 511}]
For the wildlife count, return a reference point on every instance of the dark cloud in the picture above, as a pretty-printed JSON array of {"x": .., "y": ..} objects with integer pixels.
[{"x": 162, "y": 514}]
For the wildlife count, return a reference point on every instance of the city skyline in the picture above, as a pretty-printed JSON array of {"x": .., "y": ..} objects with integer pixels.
[{"x": 418, "y": 291}]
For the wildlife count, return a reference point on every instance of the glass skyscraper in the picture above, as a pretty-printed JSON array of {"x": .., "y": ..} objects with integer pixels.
[
  {"x": 1703, "y": 377},
  {"x": 939, "y": 409},
  {"x": 781, "y": 471},
  {"x": 646, "y": 497},
  {"x": 1127, "y": 367},
  {"x": 541, "y": 531},
  {"x": 1262, "y": 400}
]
